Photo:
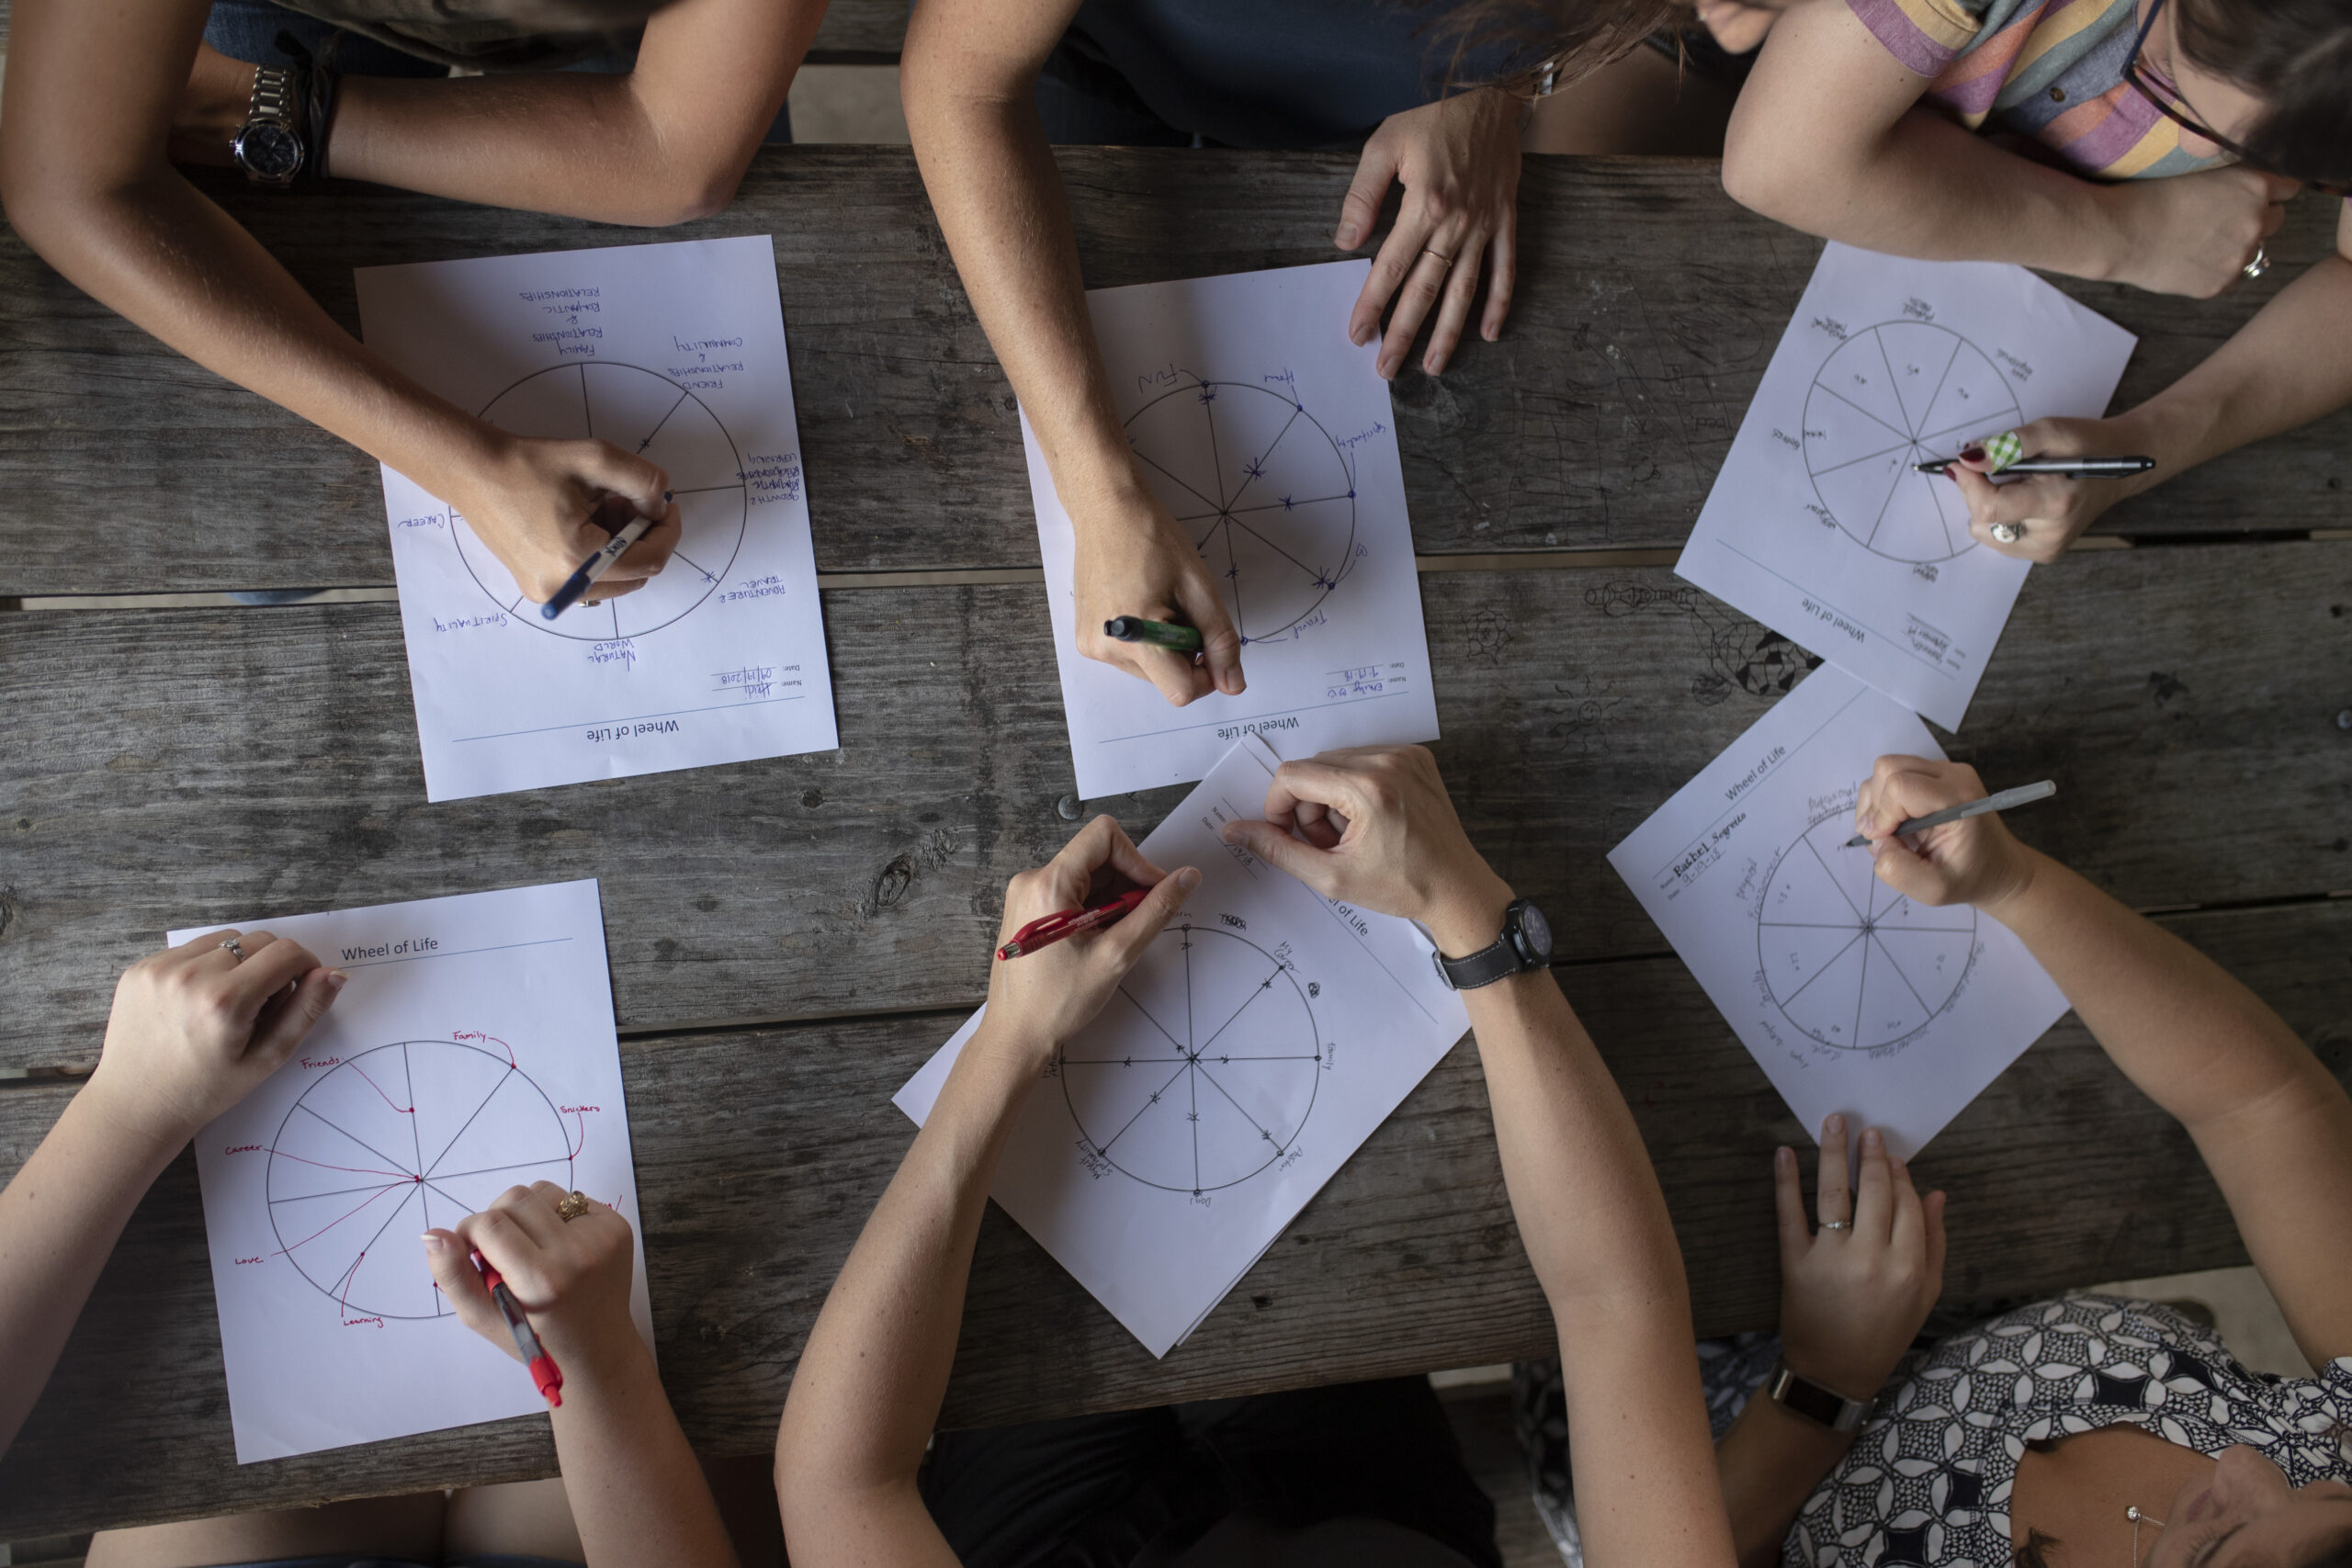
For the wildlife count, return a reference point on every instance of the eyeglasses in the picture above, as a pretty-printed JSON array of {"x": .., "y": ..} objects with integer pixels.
[{"x": 2167, "y": 102}]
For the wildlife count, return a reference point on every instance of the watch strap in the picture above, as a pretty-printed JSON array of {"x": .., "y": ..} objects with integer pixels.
[
  {"x": 1822, "y": 1406},
  {"x": 273, "y": 96},
  {"x": 1497, "y": 961}
]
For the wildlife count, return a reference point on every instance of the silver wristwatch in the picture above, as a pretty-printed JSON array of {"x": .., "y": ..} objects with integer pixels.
[
  {"x": 268, "y": 146},
  {"x": 1822, "y": 1406}
]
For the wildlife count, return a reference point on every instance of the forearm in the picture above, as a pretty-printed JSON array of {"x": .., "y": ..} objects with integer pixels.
[
  {"x": 1932, "y": 189},
  {"x": 637, "y": 1491},
  {"x": 2291, "y": 365},
  {"x": 868, "y": 1387},
  {"x": 59, "y": 1220},
  {"x": 157, "y": 251},
  {"x": 1769, "y": 1464},
  {"x": 1001, "y": 205},
  {"x": 2189, "y": 1036}
]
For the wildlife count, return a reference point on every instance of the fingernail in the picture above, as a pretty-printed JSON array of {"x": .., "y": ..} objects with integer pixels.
[
  {"x": 335, "y": 979},
  {"x": 1784, "y": 1157},
  {"x": 1972, "y": 454},
  {"x": 1871, "y": 1142},
  {"x": 432, "y": 1243},
  {"x": 1187, "y": 879},
  {"x": 1834, "y": 1126},
  {"x": 1345, "y": 237}
]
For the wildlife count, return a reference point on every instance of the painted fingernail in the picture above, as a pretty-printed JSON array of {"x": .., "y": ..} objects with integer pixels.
[
  {"x": 669, "y": 495},
  {"x": 1972, "y": 454},
  {"x": 2001, "y": 450}
]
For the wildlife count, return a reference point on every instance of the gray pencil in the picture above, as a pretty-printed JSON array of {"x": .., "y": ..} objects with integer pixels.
[{"x": 2000, "y": 802}]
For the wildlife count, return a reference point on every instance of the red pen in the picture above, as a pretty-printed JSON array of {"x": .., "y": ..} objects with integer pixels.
[
  {"x": 544, "y": 1371},
  {"x": 1070, "y": 922}
]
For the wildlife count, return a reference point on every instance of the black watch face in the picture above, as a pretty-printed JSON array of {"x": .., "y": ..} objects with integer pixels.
[
  {"x": 270, "y": 151},
  {"x": 1535, "y": 933}
]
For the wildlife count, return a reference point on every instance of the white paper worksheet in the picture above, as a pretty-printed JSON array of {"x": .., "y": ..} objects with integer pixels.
[
  {"x": 471, "y": 1051},
  {"x": 1851, "y": 997},
  {"x": 1264, "y": 1036},
  {"x": 1819, "y": 525},
  {"x": 1269, "y": 439},
  {"x": 673, "y": 352}
]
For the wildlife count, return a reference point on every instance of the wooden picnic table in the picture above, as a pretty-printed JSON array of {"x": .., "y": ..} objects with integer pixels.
[{"x": 791, "y": 938}]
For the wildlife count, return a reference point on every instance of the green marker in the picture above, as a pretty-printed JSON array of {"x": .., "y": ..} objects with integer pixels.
[{"x": 1159, "y": 633}]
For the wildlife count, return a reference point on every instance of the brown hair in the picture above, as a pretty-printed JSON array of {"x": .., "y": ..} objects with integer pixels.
[
  {"x": 2297, "y": 56},
  {"x": 1563, "y": 37}
]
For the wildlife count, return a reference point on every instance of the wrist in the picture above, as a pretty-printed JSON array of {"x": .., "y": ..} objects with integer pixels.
[
  {"x": 1467, "y": 914},
  {"x": 154, "y": 1133},
  {"x": 2113, "y": 234},
  {"x": 2014, "y": 887}
]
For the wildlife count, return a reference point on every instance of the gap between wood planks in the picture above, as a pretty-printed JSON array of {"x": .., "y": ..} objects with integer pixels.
[
  {"x": 44, "y": 1077},
  {"x": 981, "y": 577}
]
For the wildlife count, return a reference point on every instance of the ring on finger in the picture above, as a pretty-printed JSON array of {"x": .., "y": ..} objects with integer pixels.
[
  {"x": 1837, "y": 1224},
  {"x": 2260, "y": 265},
  {"x": 230, "y": 943},
  {"x": 1440, "y": 255},
  {"x": 571, "y": 1205},
  {"x": 2008, "y": 533}
]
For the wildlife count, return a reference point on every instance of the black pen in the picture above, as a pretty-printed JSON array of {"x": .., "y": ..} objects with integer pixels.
[
  {"x": 2067, "y": 468},
  {"x": 1159, "y": 633}
]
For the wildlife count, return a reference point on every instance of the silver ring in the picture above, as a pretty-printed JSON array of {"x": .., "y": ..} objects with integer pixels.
[
  {"x": 2008, "y": 533},
  {"x": 2260, "y": 265},
  {"x": 1837, "y": 1224},
  {"x": 230, "y": 943}
]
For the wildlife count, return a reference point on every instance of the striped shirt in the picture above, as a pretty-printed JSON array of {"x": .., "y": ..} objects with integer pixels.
[{"x": 2048, "y": 71}]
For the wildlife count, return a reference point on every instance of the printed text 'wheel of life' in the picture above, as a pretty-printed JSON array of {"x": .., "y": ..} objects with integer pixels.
[
  {"x": 643, "y": 412},
  {"x": 1219, "y": 1070},
  {"x": 1262, "y": 489},
  {"x": 397, "y": 1140},
  {"x": 1890, "y": 396}
]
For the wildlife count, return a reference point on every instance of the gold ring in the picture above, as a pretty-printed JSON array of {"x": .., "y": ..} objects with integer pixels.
[{"x": 571, "y": 1205}]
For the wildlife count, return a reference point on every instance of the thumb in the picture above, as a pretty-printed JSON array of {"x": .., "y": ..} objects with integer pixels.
[
  {"x": 284, "y": 1020},
  {"x": 1359, "y": 208},
  {"x": 1787, "y": 1203},
  {"x": 1219, "y": 641},
  {"x": 1284, "y": 854},
  {"x": 461, "y": 1281},
  {"x": 1129, "y": 938},
  {"x": 643, "y": 484}
]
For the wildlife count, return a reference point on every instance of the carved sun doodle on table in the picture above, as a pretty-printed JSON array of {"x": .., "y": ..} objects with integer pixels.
[
  {"x": 395, "y": 1141},
  {"x": 1891, "y": 395},
  {"x": 1229, "y": 1074},
  {"x": 1262, "y": 490},
  {"x": 1847, "y": 960},
  {"x": 645, "y": 412}
]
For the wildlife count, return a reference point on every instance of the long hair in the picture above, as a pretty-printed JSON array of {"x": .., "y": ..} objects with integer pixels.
[
  {"x": 1561, "y": 40},
  {"x": 2297, "y": 56}
]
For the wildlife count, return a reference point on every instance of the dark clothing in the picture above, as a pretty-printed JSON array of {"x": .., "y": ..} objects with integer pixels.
[{"x": 1097, "y": 1491}]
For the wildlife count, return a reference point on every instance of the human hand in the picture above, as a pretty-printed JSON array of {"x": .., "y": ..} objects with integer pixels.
[
  {"x": 572, "y": 1278},
  {"x": 1141, "y": 562},
  {"x": 1458, "y": 160},
  {"x": 1736, "y": 29},
  {"x": 2048, "y": 510},
  {"x": 1040, "y": 1000},
  {"x": 1380, "y": 832},
  {"x": 2195, "y": 234},
  {"x": 1853, "y": 1298},
  {"x": 1974, "y": 861},
  {"x": 545, "y": 506},
  {"x": 195, "y": 1029}
]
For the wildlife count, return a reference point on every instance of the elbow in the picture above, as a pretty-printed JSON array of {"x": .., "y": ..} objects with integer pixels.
[
  {"x": 1754, "y": 178},
  {"x": 693, "y": 192}
]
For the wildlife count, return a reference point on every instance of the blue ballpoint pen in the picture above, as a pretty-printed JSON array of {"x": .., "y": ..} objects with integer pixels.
[{"x": 595, "y": 566}]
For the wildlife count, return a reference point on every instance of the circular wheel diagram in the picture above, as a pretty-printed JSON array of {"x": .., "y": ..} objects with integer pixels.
[
  {"x": 1890, "y": 396},
  {"x": 1261, "y": 487},
  {"x": 1849, "y": 962},
  {"x": 397, "y": 1140},
  {"x": 1229, "y": 1077},
  {"x": 646, "y": 412}
]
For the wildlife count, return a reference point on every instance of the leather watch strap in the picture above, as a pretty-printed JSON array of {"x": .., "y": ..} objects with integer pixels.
[{"x": 1483, "y": 967}]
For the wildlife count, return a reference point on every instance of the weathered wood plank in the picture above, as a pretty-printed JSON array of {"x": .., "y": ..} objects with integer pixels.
[
  {"x": 760, "y": 1155},
  {"x": 174, "y": 767},
  {"x": 1648, "y": 306}
]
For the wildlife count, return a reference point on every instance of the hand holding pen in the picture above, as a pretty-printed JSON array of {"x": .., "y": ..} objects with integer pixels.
[
  {"x": 2058, "y": 474},
  {"x": 545, "y": 1274}
]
